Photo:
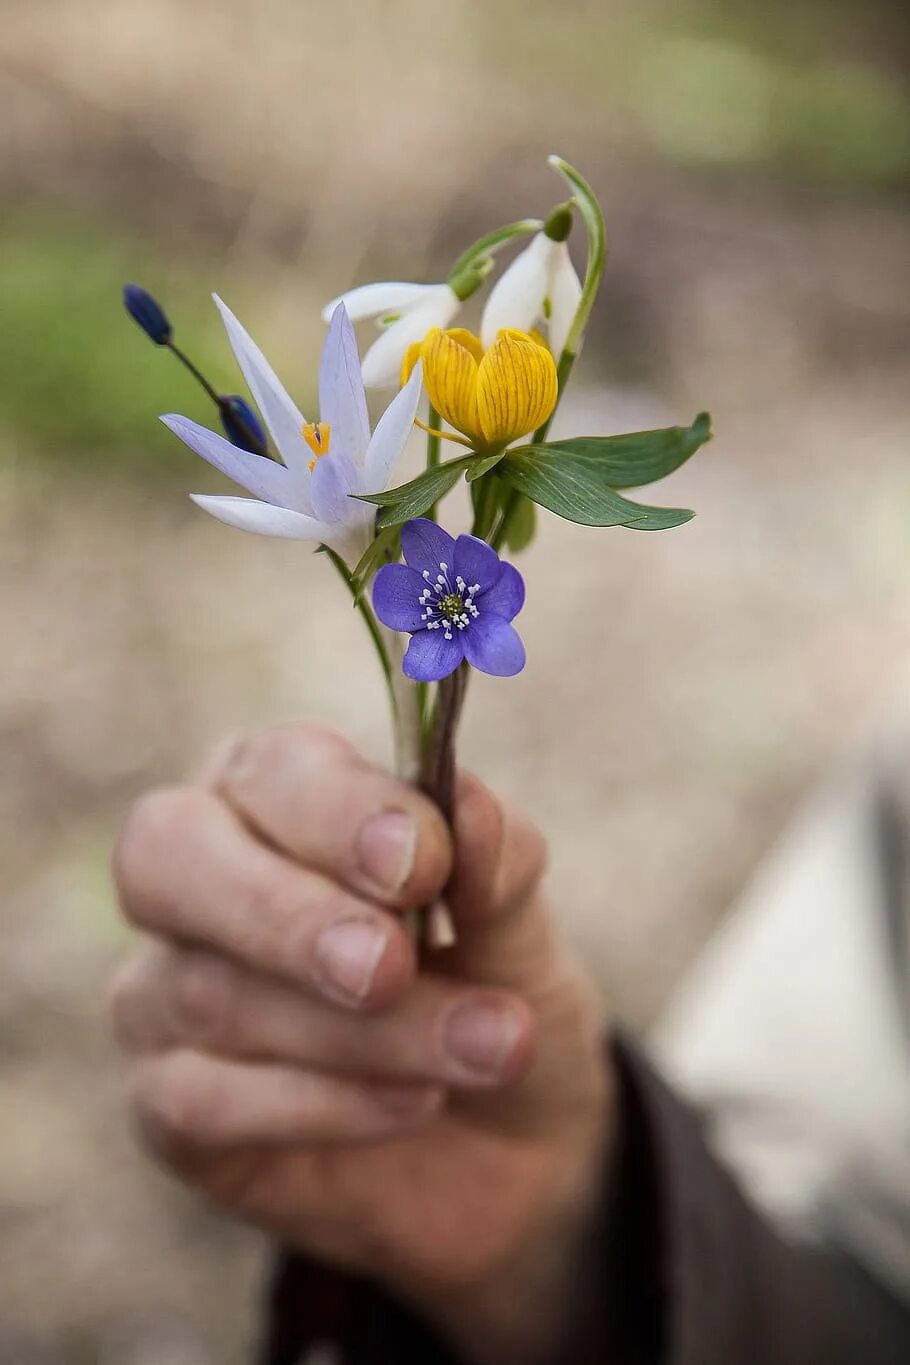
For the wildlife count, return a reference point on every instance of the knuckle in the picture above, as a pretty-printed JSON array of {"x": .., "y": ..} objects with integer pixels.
[
  {"x": 148, "y": 835},
  {"x": 203, "y": 996},
  {"x": 248, "y": 760},
  {"x": 120, "y": 1000},
  {"x": 174, "y": 1100}
]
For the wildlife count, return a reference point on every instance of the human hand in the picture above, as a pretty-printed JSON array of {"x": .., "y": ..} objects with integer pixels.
[{"x": 436, "y": 1125}]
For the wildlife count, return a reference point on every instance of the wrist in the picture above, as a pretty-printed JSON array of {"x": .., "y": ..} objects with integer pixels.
[{"x": 518, "y": 1310}]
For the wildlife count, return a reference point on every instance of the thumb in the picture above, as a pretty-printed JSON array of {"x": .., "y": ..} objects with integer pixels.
[{"x": 504, "y": 936}]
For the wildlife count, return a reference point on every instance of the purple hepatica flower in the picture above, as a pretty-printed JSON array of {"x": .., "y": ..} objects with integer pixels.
[{"x": 456, "y": 599}]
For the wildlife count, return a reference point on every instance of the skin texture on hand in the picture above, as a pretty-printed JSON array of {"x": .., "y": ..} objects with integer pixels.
[{"x": 437, "y": 1125}]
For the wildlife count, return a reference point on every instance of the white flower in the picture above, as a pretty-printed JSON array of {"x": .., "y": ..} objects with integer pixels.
[
  {"x": 411, "y": 310},
  {"x": 308, "y": 497},
  {"x": 541, "y": 283}
]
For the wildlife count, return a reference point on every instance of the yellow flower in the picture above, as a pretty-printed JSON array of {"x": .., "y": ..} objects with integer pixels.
[{"x": 493, "y": 396}]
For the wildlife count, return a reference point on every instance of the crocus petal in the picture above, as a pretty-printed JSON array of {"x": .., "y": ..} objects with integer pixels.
[
  {"x": 282, "y": 416},
  {"x": 334, "y": 479},
  {"x": 369, "y": 300},
  {"x": 426, "y": 546},
  {"x": 382, "y": 362},
  {"x": 430, "y": 656},
  {"x": 516, "y": 299},
  {"x": 262, "y": 477},
  {"x": 396, "y": 597},
  {"x": 391, "y": 434},
  {"x": 342, "y": 401},
  {"x": 493, "y": 646},
  {"x": 477, "y": 562},
  {"x": 565, "y": 295},
  {"x": 507, "y": 596},
  {"x": 248, "y": 514}
]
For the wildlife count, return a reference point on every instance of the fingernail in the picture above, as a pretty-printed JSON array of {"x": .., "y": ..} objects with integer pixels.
[
  {"x": 347, "y": 955},
  {"x": 386, "y": 846},
  {"x": 481, "y": 1037}
]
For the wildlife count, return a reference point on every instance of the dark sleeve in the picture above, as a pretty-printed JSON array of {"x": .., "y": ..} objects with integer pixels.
[{"x": 678, "y": 1269}]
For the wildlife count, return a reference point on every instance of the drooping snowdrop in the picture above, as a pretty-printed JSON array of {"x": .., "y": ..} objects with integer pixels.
[
  {"x": 309, "y": 495},
  {"x": 406, "y": 312},
  {"x": 540, "y": 286}
]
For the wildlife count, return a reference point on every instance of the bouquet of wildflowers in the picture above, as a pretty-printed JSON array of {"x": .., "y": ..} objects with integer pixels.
[{"x": 435, "y": 604}]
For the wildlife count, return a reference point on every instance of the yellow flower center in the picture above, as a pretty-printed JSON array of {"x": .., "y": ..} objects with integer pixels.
[
  {"x": 493, "y": 396},
  {"x": 317, "y": 436}
]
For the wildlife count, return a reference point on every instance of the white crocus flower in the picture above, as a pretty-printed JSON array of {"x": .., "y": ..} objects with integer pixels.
[
  {"x": 540, "y": 284},
  {"x": 411, "y": 310},
  {"x": 308, "y": 497}
]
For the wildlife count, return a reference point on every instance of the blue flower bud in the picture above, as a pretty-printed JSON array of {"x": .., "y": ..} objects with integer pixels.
[
  {"x": 149, "y": 314},
  {"x": 241, "y": 424}
]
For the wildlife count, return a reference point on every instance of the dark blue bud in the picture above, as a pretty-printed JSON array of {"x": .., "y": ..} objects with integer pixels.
[
  {"x": 241, "y": 424},
  {"x": 148, "y": 312}
]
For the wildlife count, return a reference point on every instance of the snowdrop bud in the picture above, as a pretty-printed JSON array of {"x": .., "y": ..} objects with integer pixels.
[
  {"x": 467, "y": 281},
  {"x": 148, "y": 313},
  {"x": 241, "y": 425},
  {"x": 559, "y": 224}
]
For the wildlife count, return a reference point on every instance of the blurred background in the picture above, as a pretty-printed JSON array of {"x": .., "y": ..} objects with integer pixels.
[{"x": 683, "y": 689}]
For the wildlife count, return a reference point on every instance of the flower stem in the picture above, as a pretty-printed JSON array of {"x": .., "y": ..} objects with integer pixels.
[
  {"x": 596, "y": 230},
  {"x": 432, "y": 452},
  {"x": 437, "y": 769},
  {"x": 366, "y": 611}
]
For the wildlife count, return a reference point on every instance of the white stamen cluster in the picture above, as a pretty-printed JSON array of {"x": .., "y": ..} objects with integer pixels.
[{"x": 445, "y": 607}]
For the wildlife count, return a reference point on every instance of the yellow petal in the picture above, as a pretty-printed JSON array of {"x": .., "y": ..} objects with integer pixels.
[
  {"x": 450, "y": 378},
  {"x": 516, "y": 387},
  {"x": 411, "y": 357},
  {"x": 469, "y": 340}
]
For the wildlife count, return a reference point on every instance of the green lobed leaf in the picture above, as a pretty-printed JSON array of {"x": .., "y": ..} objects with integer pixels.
[
  {"x": 637, "y": 458},
  {"x": 420, "y": 495},
  {"x": 573, "y": 487}
]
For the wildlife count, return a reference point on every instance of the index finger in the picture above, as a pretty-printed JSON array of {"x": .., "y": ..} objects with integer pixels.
[{"x": 310, "y": 794}]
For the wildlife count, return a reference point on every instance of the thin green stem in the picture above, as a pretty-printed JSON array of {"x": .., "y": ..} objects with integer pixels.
[
  {"x": 433, "y": 444},
  {"x": 366, "y": 611}
]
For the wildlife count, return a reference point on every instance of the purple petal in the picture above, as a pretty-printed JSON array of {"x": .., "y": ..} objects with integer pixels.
[
  {"x": 249, "y": 514},
  {"x": 342, "y": 401},
  {"x": 334, "y": 477},
  {"x": 507, "y": 596},
  {"x": 264, "y": 478},
  {"x": 396, "y": 594},
  {"x": 476, "y": 561},
  {"x": 282, "y": 416},
  {"x": 427, "y": 545},
  {"x": 430, "y": 656},
  {"x": 391, "y": 435},
  {"x": 493, "y": 646}
]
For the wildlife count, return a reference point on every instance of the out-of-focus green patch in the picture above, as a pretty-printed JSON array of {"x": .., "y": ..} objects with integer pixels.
[
  {"x": 712, "y": 99},
  {"x": 80, "y": 380}
]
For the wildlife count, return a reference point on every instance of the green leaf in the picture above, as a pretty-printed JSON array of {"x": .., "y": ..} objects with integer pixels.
[
  {"x": 521, "y": 526},
  {"x": 573, "y": 487},
  {"x": 638, "y": 458},
  {"x": 483, "y": 466},
  {"x": 414, "y": 498}
]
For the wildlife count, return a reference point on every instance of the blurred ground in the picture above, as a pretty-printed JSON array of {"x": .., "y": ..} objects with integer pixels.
[{"x": 683, "y": 689}]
